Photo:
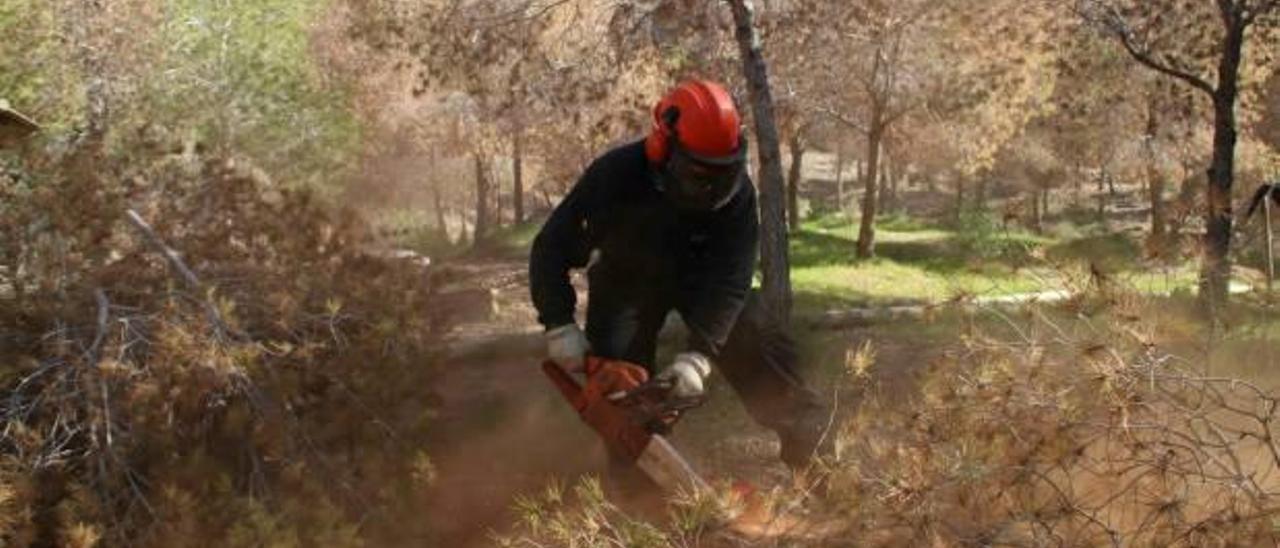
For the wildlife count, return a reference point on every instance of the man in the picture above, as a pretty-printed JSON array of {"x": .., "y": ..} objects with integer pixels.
[{"x": 670, "y": 223}]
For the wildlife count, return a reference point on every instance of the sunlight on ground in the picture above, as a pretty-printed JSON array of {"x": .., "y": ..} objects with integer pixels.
[
  {"x": 921, "y": 264},
  {"x": 884, "y": 281}
]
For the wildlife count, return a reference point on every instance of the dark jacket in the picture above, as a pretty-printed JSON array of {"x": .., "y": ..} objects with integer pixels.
[{"x": 700, "y": 263}]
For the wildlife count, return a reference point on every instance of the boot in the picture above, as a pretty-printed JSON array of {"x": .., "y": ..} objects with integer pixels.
[{"x": 808, "y": 437}]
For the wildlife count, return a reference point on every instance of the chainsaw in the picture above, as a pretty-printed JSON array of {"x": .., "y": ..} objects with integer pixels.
[{"x": 632, "y": 414}]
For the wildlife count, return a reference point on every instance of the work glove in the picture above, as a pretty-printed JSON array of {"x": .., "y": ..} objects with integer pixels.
[
  {"x": 567, "y": 346},
  {"x": 686, "y": 375}
]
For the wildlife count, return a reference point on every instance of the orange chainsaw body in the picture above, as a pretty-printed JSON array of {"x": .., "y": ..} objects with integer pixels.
[{"x": 623, "y": 434}]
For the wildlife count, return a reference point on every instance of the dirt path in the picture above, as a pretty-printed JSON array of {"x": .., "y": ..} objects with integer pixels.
[
  {"x": 499, "y": 435},
  {"x": 499, "y": 431},
  {"x": 502, "y": 431}
]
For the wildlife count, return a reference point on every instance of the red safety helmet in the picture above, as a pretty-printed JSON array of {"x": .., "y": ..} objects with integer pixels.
[{"x": 696, "y": 146}]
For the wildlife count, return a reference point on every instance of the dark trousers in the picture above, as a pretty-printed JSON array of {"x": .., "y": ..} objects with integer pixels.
[{"x": 758, "y": 360}]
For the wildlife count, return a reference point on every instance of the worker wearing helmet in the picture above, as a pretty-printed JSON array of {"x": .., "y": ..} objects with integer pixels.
[{"x": 670, "y": 223}]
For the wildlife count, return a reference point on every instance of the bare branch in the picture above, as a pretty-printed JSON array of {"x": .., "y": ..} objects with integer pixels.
[
  {"x": 100, "y": 297},
  {"x": 1113, "y": 23},
  {"x": 843, "y": 119},
  {"x": 893, "y": 115},
  {"x": 175, "y": 260},
  {"x": 1146, "y": 60}
]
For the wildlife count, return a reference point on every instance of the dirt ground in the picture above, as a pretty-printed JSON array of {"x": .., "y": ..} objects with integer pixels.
[{"x": 503, "y": 431}]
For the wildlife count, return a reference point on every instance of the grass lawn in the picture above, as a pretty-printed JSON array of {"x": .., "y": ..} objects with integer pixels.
[
  {"x": 913, "y": 263},
  {"x": 917, "y": 263},
  {"x": 512, "y": 240}
]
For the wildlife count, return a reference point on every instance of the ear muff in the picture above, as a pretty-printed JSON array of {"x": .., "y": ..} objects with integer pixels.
[
  {"x": 662, "y": 135},
  {"x": 670, "y": 117},
  {"x": 707, "y": 119},
  {"x": 662, "y": 140}
]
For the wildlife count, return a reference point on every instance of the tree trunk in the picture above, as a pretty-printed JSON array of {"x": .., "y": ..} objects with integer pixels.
[
  {"x": 517, "y": 176},
  {"x": 867, "y": 229},
  {"x": 882, "y": 186},
  {"x": 482, "y": 200},
  {"x": 437, "y": 197},
  {"x": 774, "y": 255},
  {"x": 547, "y": 202},
  {"x": 859, "y": 180},
  {"x": 97, "y": 93},
  {"x": 1044, "y": 203},
  {"x": 1078, "y": 178},
  {"x": 85, "y": 22},
  {"x": 1155, "y": 181},
  {"x": 1101, "y": 209},
  {"x": 1037, "y": 211},
  {"x": 960, "y": 184},
  {"x": 895, "y": 173},
  {"x": 1271, "y": 244},
  {"x": 840, "y": 178},
  {"x": 886, "y": 179},
  {"x": 1216, "y": 273},
  {"x": 980, "y": 194},
  {"x": 793, "y": 182},
  {"x": 895, "y": 185},
  {"x": 442, "y": 222}
]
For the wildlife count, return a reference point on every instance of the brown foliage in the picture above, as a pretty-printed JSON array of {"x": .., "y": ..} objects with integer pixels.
[
  {"x": 1074, "y": 432},
  {"x": 284, "y": 400}
]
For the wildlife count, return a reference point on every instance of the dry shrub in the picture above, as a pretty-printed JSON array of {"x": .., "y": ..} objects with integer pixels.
[
  {"x": 588, "y": 519},
  {"x": 283, "y": 400},
  {"x": 1072, "y": 428},
  {"x": 1061, "y": 425}
]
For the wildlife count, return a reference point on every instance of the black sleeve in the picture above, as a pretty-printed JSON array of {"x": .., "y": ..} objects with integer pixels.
[
  {"x": 561, "y": 245},
  {"x": 719, "y": 288}
]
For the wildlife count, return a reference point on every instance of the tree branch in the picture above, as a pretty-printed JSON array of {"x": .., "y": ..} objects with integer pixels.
[
  {"x": 893, "y": 115},
  {"x": 1146, "y": 60},
  {"x": 843, "y": 119},
  {"x": 1114, "y": 24},
  {"x": 1252, "y": 14},
  {"x": 104, "y": 308},
  {"x": 174, "y": 260}
]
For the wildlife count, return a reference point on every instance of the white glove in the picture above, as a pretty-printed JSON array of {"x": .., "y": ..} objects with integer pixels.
[
  {"x": 686, "y": 374},
  {"x": 567, "y": 346}
]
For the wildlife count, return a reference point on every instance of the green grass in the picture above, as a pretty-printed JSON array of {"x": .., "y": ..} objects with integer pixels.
[
  {"x": 1162, "y": 282},
  {"x": 914, "y": 263},
  {"x": 883, "y": 281},
  {"x": 1110, "y": 252},
  {"x": 513, "y": 240}
]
